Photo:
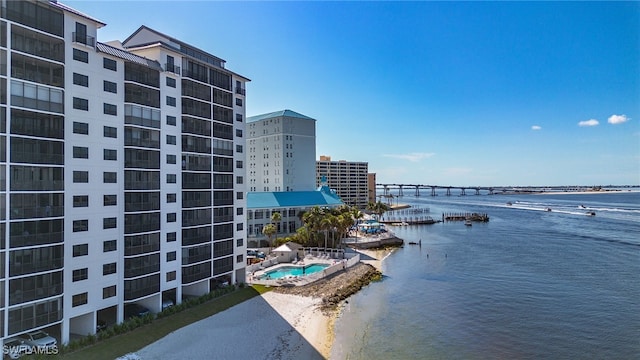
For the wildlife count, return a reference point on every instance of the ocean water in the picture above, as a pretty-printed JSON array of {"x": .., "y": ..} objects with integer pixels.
[{"x": 528, "y": 284}]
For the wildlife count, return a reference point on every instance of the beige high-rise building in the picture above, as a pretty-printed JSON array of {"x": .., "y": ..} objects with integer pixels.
[{"x": 348, "y": 178}]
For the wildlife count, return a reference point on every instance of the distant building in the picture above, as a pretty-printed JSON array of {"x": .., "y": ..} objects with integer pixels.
[
  {"x": 348, "y": 178},
  {"x": 281, "y": 152},
  {"x": 290, "y": 205},
  {"x": 371, "y": 186},
  {"x": 122, "y": 171}
]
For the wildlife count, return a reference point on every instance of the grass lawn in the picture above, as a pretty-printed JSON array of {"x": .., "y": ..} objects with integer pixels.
[{"x": 137, "y": 339}]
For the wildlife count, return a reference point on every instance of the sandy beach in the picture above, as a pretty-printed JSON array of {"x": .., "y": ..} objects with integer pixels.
[
  {"x": 271, "y": 326},
  {"x": 275, "y": 325}
]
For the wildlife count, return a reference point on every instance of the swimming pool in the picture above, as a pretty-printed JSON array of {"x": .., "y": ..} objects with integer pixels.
[{"x": 294, "y": 271}]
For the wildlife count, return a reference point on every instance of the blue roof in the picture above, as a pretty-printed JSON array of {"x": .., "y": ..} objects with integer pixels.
[
  {"x": 280, "y": 199},
  {"x": 287, "y": 113}
]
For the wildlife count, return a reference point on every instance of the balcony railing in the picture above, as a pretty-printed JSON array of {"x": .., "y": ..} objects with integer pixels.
[
  {"x": 241, "y": 90},
  {"x": 84, "y": 39},
  {"x": 172, "y": 68}
]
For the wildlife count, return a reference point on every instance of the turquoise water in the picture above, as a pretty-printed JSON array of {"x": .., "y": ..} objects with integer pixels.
[{"x": 294, "y": 271}]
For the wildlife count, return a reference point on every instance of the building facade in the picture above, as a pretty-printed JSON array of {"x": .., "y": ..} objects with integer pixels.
[
  {"x": 348, "y": 178},
  {"x": 115, "y": 158},
  {"x": 290, "y": 204},
  {"x": 281, "y": 152}
]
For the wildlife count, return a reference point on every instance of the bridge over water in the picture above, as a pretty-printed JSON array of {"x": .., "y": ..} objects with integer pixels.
[{"x": 390, "y": 190}]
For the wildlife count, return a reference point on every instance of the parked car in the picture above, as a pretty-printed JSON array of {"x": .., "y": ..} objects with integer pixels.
[
  {"x": 14, "y": 348},
  {"x": 101, "y": 325},
  {"x": 251, "y": 253},
  {"x": 40, "y": 339},
  {"x": 167, "y": 304},
  {"x": 260, "y": 255},
  {"x": 133, "y": 310}
]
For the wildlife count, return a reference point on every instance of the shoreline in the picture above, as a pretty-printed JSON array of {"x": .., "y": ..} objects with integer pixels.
[{"x": 285, "y": 323}]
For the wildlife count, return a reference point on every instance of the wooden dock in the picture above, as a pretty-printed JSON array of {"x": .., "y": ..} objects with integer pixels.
[{"x": 477, "y": 217}]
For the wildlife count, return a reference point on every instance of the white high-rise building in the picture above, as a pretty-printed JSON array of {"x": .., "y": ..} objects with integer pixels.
[
  {"x": 114, "y": 159},
  {"x": 281, "y": 152}
]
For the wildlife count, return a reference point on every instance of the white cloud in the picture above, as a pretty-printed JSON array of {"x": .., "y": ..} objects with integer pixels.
[
  {"x": 591, "y": 122},
  {"x": 617, "y": 119},
  {"x": 536, "y": 127},
  {"x": 413, "y": 157}
]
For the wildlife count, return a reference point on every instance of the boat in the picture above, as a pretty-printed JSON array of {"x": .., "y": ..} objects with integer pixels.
[
  {"x": 509, "y": 203},
  {"x": 582, "y": 207},
  {"x": 591, "y": 213},
  {"x": 413, "y": 243},
  {"x": 467, "y": 222},
  {"x": 547, "y": 209}
]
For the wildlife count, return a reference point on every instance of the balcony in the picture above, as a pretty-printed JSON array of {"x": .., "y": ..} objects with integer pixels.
[
  {"x": 240, "y": 90},
  {"x": 85, "y": 39},
  {"x": 172, "y": 68}
]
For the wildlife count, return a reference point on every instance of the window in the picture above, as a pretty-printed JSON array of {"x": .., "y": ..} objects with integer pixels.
[
  {"x": 239, "y": 196},
  {"x": 80, "y": 176},
  {"x": 238, "y": 101},
  {"x": 239, "y": 227},
  {"x": 239, "y": 242},
  {"x": 79, "y": 79},
  {"x": 108, "y": 269},
  {"x": 239, "y": 164},
  {"x": 171, "y": 276},
  {"x": 239, "y": 258},
  {"x": 80, "y": 225},
  {"x": 171, "y": 120},
  {"x": 80, "y": 250},
  {"x": 80, "y": 274},
  {"x": 79, "y": 299},
  {"x": 110, "y": 132},
  {"x": 110, "y": 177},
  {"x": 171, "y": 178},
  {"x": 171, "y": 159},
  {"x": 109, "y": 245},
  {"x": 239, "y": 148},
  {"x": 171, "y": 139},
  {"x": 80, "y": 152},
  {"x": 171, "y": 101},
  {"x": 110, "y": 154},
  {"x": 80, "y": 128},
  {"x": 239, "y": 180},
  {"x": 171, "y": 237},
  {"x": 80, "y": 201},
  {"x": 171, "y": 256},
  {"x": 171, "y": 82},
  {"x": 171, "y": 217},
  {"x": 239, "y": 117},
  {"x": 109, "y": 291},
  {"x": 171, "y": 198},
  {"x": 80, "y": 55},
  {"x": 110, "y": 109},
  {"x": 238, "y": 132},
  {"x": 111, "y": 87},
  {"x": 110, "y": 200},
  {"x": 109, "y": 223},
  {"x": 80, "y": 104},
  {"x": 239, "y": 211},
  {"x": 110, "y": 64}
]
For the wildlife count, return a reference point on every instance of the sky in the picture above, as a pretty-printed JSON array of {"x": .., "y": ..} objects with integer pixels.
[{"x": 437, "y": 93}]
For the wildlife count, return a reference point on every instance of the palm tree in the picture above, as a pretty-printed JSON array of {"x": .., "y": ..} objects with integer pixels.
[
  {"x": 326, "y": 223},
  {"x": 276, "y": 217},
  {"x": 269, "y": 230}
]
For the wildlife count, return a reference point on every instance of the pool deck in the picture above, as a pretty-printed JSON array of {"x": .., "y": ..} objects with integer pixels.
[{"x": 334, "y": 266}]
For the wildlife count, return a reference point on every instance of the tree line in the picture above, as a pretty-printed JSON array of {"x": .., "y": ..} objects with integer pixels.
[{"x": 322, "y": 226}]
